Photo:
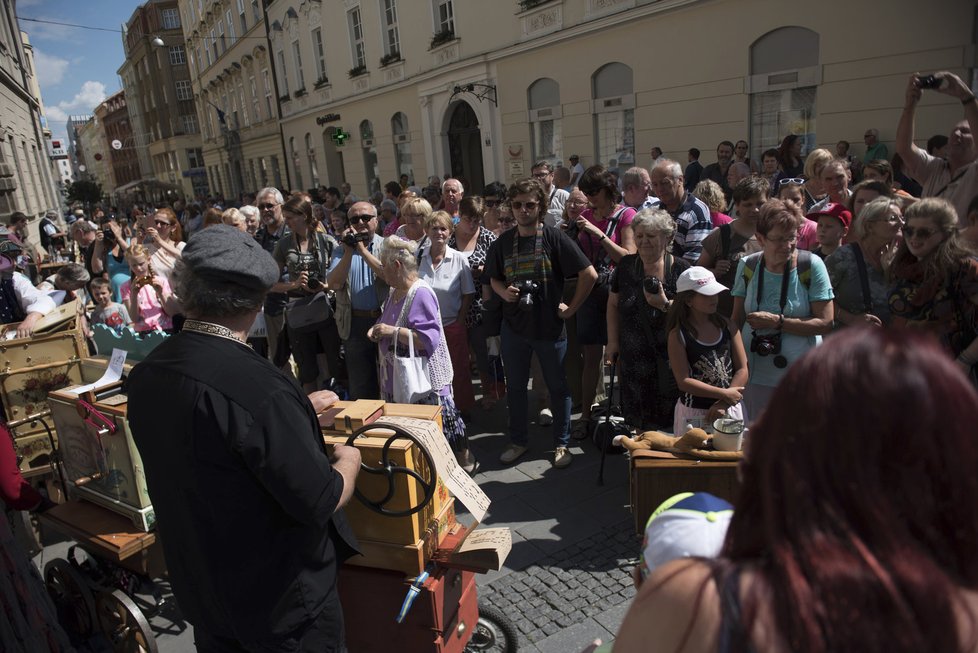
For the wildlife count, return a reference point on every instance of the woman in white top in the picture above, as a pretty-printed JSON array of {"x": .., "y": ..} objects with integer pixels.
[
  {"x": 447, "y": 271},
  {"x": 164, "y": 240}
]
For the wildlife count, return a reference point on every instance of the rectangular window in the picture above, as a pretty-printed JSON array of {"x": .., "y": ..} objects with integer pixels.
[
  {"x": 392, "y": 41},
  {"x": 283, "y": 73},
  {"x": 320, "y": 52},
  {"x": 615, "y": 132},
  {"x": 220, "y": 37},
  {"x": 255, "y": 104},
  {"x": 444, "y": 16},
  {"x": 213, "y": 47},
  {"x": 189, "y": 122},
  {"x": 177, "y": 55},
  {"x": 297, "y": 56},
  {"x": 184, "y": 91},
  {"x": 255, "y": 10},
  {"x": 267, "y": 82},
  {"x": 195, "y": 157},
  {"x": 546, "y": 140},
  {"x": 241, "y": 16},
  {"x": 171, "y": 18},
  {"x": 243, "y": 105},
  {"x": 230, "y": 21},
  {"x": 356, "y": 38}
]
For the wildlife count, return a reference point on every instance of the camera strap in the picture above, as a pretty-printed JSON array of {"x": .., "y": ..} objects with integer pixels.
[
  {"x": 784, "y": 284},
  {"x": 520, "y": 266}
]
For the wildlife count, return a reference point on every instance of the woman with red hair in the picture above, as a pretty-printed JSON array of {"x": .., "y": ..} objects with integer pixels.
[{"x": 856, "y": 525}]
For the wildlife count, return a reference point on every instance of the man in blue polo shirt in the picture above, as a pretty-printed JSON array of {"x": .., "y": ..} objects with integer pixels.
[
  {"x": 692, "y": 217},
  {"x": 355, "y": 275}
]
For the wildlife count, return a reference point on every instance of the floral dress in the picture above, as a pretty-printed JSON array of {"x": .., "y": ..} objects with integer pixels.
[
  {"x": 477, "y": 259},
  {"x": 648, "y": 387}
]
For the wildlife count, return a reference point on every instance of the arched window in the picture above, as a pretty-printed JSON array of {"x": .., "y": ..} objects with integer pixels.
[
  {"x": 543, "y": 100},
  {"x": 370, "y": 166},
  {"x": 402, "y": 146},
  {"x": 784, "y": 75},
  {"x": 614, "y": 115},
  {"x": 313, "y": 168}
]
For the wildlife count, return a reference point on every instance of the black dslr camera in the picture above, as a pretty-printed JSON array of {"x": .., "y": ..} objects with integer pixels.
[
  {"x": 351, "y": 240},
  {"x": 527, "y": 289},
  {"x": 652, "y": 285},
  {"x": 768, "y": 345},
  {"x": 307, "y": 263}
]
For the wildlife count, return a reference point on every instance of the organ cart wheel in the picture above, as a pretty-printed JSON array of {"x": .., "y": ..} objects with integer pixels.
[
  {"x": 124, "y": 624},
  {"x": 493, "y": 632},
  {"x": 72, "y": 597},
  {"x": 390, "y": 471}
]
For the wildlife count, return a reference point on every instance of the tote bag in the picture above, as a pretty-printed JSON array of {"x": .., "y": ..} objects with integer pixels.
[{"x": 411, "y": 381}]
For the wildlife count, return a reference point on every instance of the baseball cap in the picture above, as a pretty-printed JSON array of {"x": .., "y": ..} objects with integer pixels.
[
  {"x": 834, "y": 209},
  {"x": 700, "y": 280},
  {"x": 690, "y": 524}
]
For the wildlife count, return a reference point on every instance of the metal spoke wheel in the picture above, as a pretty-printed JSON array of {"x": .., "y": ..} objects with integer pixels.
[
  {"x": 124, "y": 624},
  {"x": 72, "y": 597},
  {"x": 493, "y": 632}
]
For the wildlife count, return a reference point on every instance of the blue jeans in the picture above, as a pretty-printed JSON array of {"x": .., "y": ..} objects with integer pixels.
[
  {"x": 361, "y": 360},
  {"x": 517, "y": 351}
]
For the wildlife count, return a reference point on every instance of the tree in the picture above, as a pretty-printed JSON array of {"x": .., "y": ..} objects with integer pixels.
[{"x": 87, "y": 192}]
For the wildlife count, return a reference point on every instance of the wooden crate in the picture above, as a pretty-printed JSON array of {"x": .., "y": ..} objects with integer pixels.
[
  {"x": 411, "y": 558},
  {"x": 367, "y": 524},
  {"x": 656, "y": 475}
]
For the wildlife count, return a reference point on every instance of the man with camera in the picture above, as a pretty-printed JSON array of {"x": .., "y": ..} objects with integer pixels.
[
  {"x": 527, "y": 267},
  {"x": 356, "y": 276},
  {"x": 956, "y": 178}
]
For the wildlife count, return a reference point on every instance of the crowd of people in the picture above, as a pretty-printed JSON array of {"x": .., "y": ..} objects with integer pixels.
[{"x": 709, "y": 288}]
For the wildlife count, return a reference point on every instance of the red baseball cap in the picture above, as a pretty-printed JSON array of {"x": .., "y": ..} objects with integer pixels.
[{"x": 837, "y": 211}]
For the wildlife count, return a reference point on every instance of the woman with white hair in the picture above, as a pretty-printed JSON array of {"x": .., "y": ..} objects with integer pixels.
[{"x": 411, "y": 313}]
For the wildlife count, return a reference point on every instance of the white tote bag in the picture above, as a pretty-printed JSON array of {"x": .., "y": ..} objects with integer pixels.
[{"x": 411, "y": 382}]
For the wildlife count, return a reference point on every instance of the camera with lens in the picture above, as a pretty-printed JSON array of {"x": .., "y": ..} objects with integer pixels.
[
  {"x": 651, "y": 285},
  {"x": 351, "y": 240},
  {"x": 307, "y": 263},
  {"x": 527, "y": 289},
  {"x": 930, "y": 81},
  {"x": 769, "y": 345},
  {"x": 108, "y": 236}
]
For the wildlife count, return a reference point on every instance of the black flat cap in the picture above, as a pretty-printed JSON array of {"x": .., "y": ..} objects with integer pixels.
[{"x": 228, "y": 254}]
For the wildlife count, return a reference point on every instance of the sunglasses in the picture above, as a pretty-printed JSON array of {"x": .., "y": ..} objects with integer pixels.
[
  {"x": 921, "y": 232},
  {"x": 354, "y": 219},
  {"x": 795, "y": 181},
  {"x": 266, "y": 207},
  {"x": 529, "y": 206},
  {"x": 162, "y": 223},
  {"x": 493, "y": 203}
]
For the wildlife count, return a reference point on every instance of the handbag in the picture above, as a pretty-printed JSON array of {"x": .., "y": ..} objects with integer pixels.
[
  {"x": 411, "y": 381},
  {"x": 309, "y": 314}
]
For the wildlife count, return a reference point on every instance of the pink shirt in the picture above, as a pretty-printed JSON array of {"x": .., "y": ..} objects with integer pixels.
[
  {"x": 149, "y": 314},
  {"x": 806, "y": 235},
  {"x": 718, "y": 218}
]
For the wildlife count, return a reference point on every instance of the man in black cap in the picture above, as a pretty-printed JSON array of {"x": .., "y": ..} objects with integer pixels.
[{"x": 247, "y": 501}]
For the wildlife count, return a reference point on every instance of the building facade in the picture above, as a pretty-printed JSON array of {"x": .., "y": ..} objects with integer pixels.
[
  {"x": 482, "y": 90},
  {"x": 160, "y": 102},
  {"x": 123, "y": 161},
  {"x": 227, "y": 50},
  {"x": 26, "y": 182},
  {"x": 91, "y": 137}
]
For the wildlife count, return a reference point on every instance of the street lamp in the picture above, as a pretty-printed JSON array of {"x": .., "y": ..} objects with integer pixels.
[{"x": 157, "y": 41}]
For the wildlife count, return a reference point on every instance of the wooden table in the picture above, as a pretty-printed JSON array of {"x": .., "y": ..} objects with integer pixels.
[
  {"x": 108, "y": 535},
  {"x": 654, "y": 476}
]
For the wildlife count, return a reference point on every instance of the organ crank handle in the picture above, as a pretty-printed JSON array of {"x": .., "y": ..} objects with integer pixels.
[{"x": 390, "y": 471}]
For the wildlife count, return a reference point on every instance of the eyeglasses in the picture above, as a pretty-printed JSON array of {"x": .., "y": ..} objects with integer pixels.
[
  {"x": 919, "y": 232},
  {"x": 784, "y": 241},
  {"x": 577, "y": 202},
  {"x": 266, "y": 207},
  {"x": 493, "y": 203},
  {"x": 519, "y": 206},
  {"x": 541, "y": 175},
  {"x": 354, "y": 219},
  {"x": 162, "y": 223}
]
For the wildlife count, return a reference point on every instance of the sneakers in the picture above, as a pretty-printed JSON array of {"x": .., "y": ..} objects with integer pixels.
[
  {"x": 562, "y": 457},
  {"x": 511, "y": 453},
  {"x": 546, "y": 417}
]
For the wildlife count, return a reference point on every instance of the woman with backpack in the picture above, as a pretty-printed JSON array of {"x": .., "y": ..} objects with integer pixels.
[{"x": 782, "y": 303}]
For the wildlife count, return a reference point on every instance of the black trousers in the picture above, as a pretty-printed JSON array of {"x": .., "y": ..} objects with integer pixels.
[{"x": 324, "y": 635}]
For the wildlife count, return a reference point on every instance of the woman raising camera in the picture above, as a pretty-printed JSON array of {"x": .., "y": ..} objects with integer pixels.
[
  {"x": 305, "y": 254},
  {"x": 785, "y": 297},
  {"x": 642, "y": 286}
]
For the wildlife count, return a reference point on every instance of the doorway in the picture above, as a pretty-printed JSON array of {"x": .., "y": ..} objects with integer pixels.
[{"x": 465, "y": 148}]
